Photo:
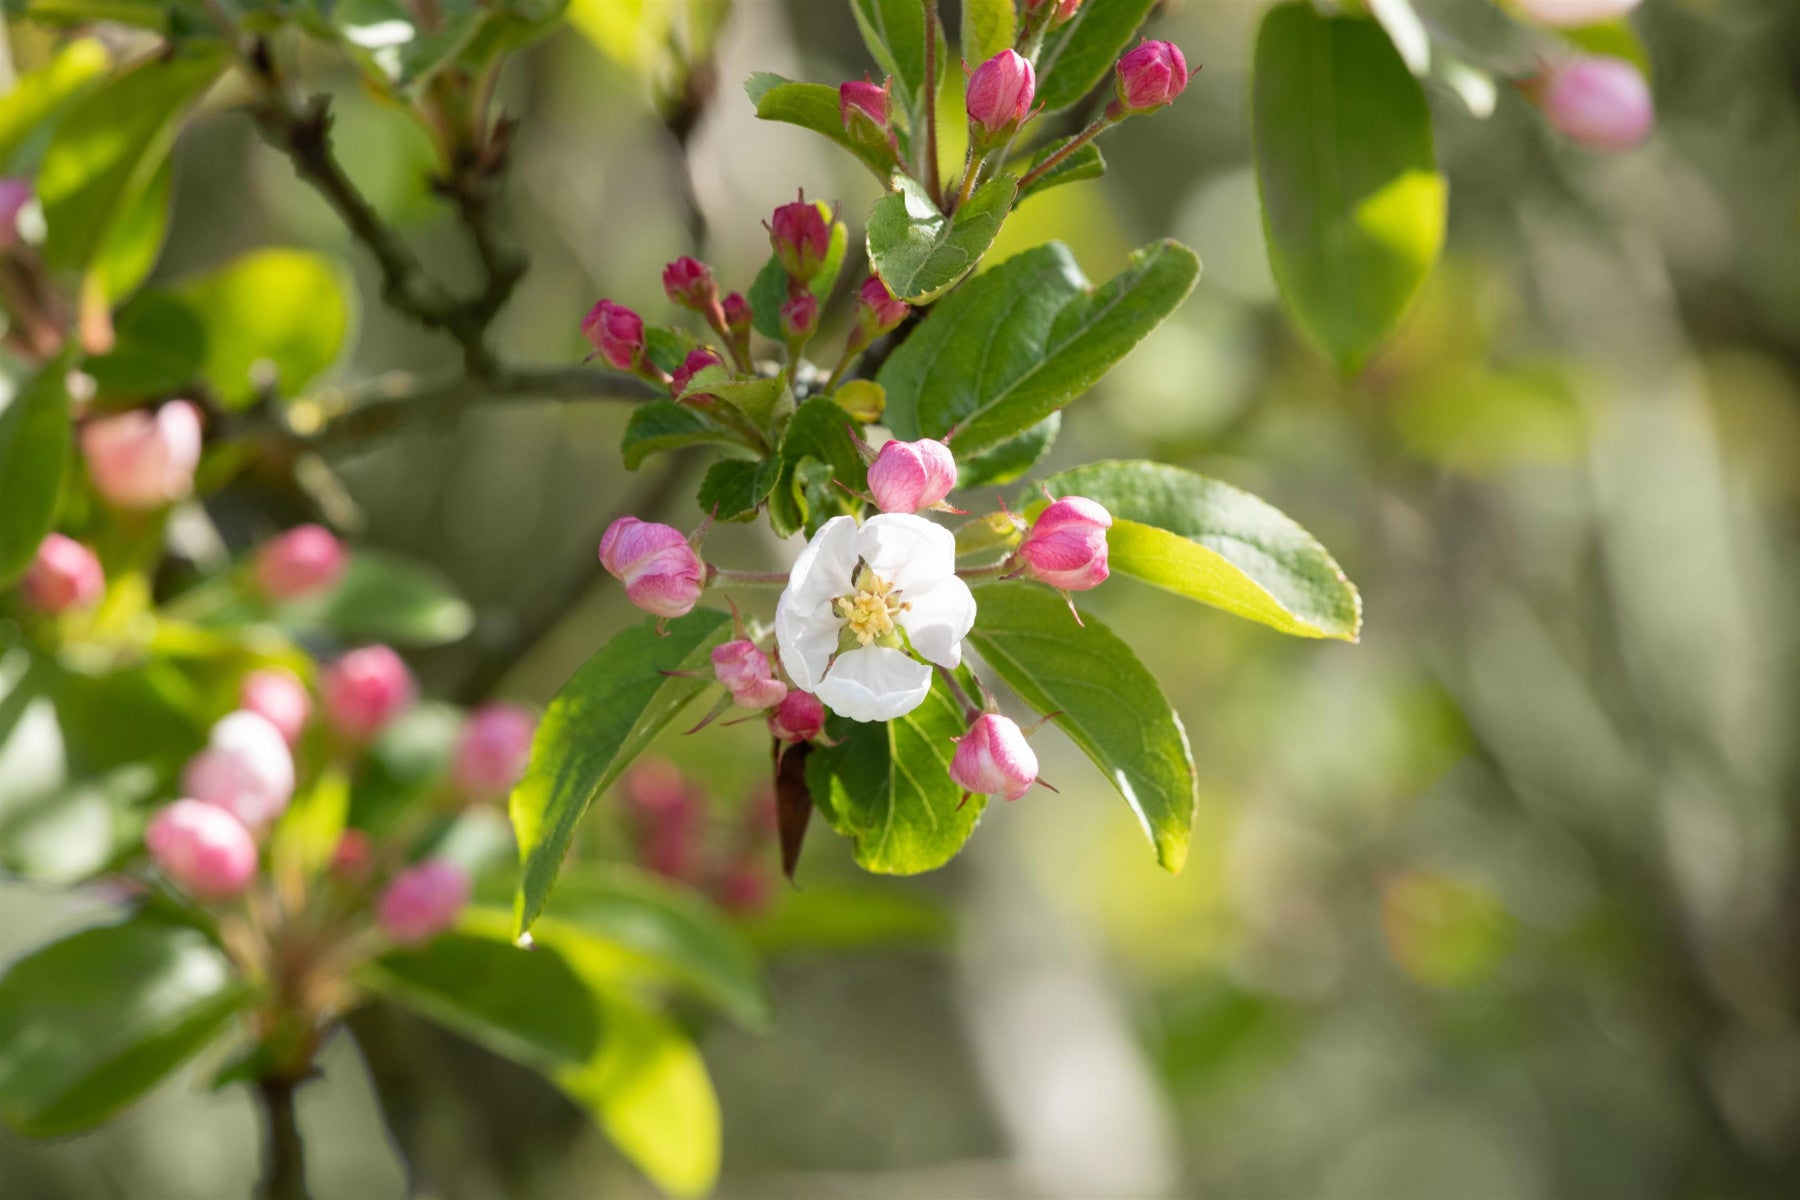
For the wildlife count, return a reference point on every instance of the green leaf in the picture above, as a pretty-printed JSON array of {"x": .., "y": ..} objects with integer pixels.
[
  {"x": 307, "y": 834},
  {"x": 1022, "y": 340},
  {"x": 1209, "y": 541},
  {"x": 919, "y": 252},
  {"x": 1081, "y": 54},
  {"x": 988, "y": 27},
  {"x": 91, "y": 1022},
  {"x": 158, "y": 346},
  {"x": 894, "y": 32},
  {"x": 1011, "y": 458},
  {"x": 1104, "y": 698},
  {"x": 602, "y": 719},
  {"x": 1353, "y": 204},
  {"x": 817, "y": 433},
  {"x": 38, "y": 96},
  {"x": 384, "y": 598},
  {"x": 770, "y": 287},
  {"x": 1085, "y": 163},
  {"x": 886, "y": 786},
  {"x": 756, "y": 398},
  {"x": 285, "y": 312},
  {"x": 735, "y": 487},
  {"x": 34, "y": 454},
  {"x": 135, "y": 241},
  {"x": 1615, "y": 38},
  {"x": 661, "y": 425},
  {"x": 811, "y": 106}
]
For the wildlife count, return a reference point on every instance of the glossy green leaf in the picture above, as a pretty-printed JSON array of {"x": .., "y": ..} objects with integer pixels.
[
  {"x": 1022, "y": 340},
  {"x": 1209, "y": 541},
  {"x": 1105, "y": 700},
  {"x": 988, "y": 27},
  {"x": 918, "y": 251},
  {"x": 602, "y": 719},
  {"x": 34, "y": 455},
  {"x": 1086, "y": 163},
  {"x": 1011, "y": 458},
  {"x": 735, "y": 487},
  {"x": 135, "y": 241},
  {"x": 276, "y": 316},
  {"x": 817, "y": 447},
  {"x": 158, "y": 348},
  {"x": 91, "y": 1022},
  {"x": 662, "y": 425},
  {"x": 38, "y": 96},
  {"x": 811, "y": 106},
  {"x": 1353, "y": 204},
  {"x": 1080, "y": 55},
  {"x": 384, "y": 598}
]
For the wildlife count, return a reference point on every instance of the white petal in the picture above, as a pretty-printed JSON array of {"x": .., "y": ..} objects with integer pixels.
[
  {"x": 907, "y": 551},
  {"x": 824, "y": 568},
  {"x": 807, "y": 637},
  {"x": 939, "y": 618},
  {"x": 874, "y": 683}
]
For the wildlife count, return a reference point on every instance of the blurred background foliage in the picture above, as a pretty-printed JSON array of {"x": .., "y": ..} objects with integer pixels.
[{"x": 1503, "y": 901}]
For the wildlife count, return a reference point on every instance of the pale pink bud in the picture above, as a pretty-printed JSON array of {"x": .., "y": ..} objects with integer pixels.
[
  {"x": 1150, "y": 76},
  {"x": 1567, "y": 14},
  {"x": 203, "y": 848},
  {"x": 280, "y": 699},
  {"x": 423, "y": 901},
  {"x": 658, "y": 567},
  {"x": 304, "y": 560},
  {"x": 495, "y": 746},
  {"x": 616, "y": 333},
  {"x": 15, "y": 194},
  {"x": 801, "y": 238},
  {"x": 689, "y": 283},
  {"x": 64, "y": 575},
  {"x": 999, "y": 96},
  {"x": 745, "y": 671},
  {"x": 1066, "y": 547},
  {"x": 246, "y": 769},
  {"x": 994, "y": 759},
  {"x": 364, "y": 690},
  {"x": 798, "y": 718},
  {"x": 799, "y": 315},
  {"x": 143, "y": 459},
  {"x": 877, "y": 309},
  {"x": 908, "y": 476},
  {"x": 1599, "y": 101}
]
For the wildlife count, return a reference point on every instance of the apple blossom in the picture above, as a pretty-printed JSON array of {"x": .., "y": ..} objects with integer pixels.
[
  {"x": 1066, "y": 547},
  {"x": 63, "y": 575},
  {"x": 143, "y": 459},
  {"x": 423, "y": 901},
  {"x": 364, "y": 690},
  {"x": 246, "y": 769},
  {"x": 745, "y": 671},
  {"x": 304, "y": 560},
  {"x": 203, "y": 848},
  {"x": 279, "y": 698},
  {"x": 908, "y": 476},
  {"x": 994, "y": 759},
  {"x": 659, "y": 568}
]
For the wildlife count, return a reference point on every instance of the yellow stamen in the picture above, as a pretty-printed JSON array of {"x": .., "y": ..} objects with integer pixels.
[{"x": 870, "y": 611}]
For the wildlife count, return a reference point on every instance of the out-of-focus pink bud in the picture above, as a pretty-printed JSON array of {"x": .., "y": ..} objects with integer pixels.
[
  {"x": 689, "y": 283},
  {"x": 697, "y": 360},
  {"x": 1568, "y": 14},
  {"x": 203, "y": 848},
  {"x": 1599, "y": 101},
  {"x": 304, "y": 560},
  {"x": 280, "y": 699},
  {"x": 143, "y": 459},
  {"x": 616, "y": 333},
  {"x": 745, "y": 671},
  {"x": 908, "y": 476},
  {"x": 658, "y": 567},
  {"x": 364, "y": 690},
  {"x": 15, "y": 194},
  {"x": 246, "y": 769},
  {"x": 353, "y": 856},
  {"x": 801, "y": 237},
  {"x": 799, "y": 315},
  {"x": 64, "y": 575},
  {"x": 1066, "y": 547},
  {"x": 1060, "y": 11},
  {"x": 994, "y": 759},
  {"x": 999, "y": 96},
  {"x": 666, "y": 815},
  {"x": 737, "y": 314},
  {"x": 423, "y": 901},
  {"x": 798, "y": 718},
  {"x": 495, "y": 746},
  {"x": 877, "y": 309},
  {"x": 1150, "y": 76},
  {"x": 745, "y": 886}
]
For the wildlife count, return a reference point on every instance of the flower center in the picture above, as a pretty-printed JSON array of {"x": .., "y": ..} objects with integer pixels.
[{"x": 869, "y": 611}]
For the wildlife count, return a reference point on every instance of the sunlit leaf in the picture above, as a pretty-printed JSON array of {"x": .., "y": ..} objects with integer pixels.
[
  {"x": 275, "y": 318},
  {"x": 918, "y": 251}
]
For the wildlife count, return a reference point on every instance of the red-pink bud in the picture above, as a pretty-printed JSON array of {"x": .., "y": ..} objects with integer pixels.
[
  {"x": 1599, "y": 101},
  {"x": 745, "y": 671},
  {"x": 689, "y": 283},
  {"x": 364, "y": 690},
  {"x": 801, "y": 237},
  {"x": 1062, "y": 10},
  {"x": 999, "y": 96},
  {"x": 279, "y": 698},
  {"x": 737, "y": 313},
  {"x": 1565, "y": 14},
  {"x": 203, "y": 848},
  {"x": 1066, "y": 547},
  {"x": 658, "y": 567},
  {"x": 799, "y": 315},
  {"x": 15, "y": 194},
  {"x": 143, "y": 459},
  {"x": 1150, "y": 76},
  {"x": 908, "y": 476},
  {"x": 666, "y": 815},
  {"x": 617, "y": 333},
  {"x": 697, "y": 360},
  {"x": 866, "y": 108},
  {"x": 246, "y": 769},
  {"x": 877, "y": 309},
  {"x": 495, "y": 746},
  {"x": 745, "y": 886},
  {"x": 304, "y": 560},
  {"x": 798, "y": 718},
  {"x": 994, "y": 759},
  {"x": 423, "y": 901},
  {"x": 63, "y": 575}
]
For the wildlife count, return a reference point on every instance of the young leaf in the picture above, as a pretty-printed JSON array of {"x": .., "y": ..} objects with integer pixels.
[
  {"x": 918, "y": 251},
  {"x": 384, "y": 598},
  {"x": 1085, "y": 163},
  {"x": 1353, "y": 204},
  {"x": 811, "y": 106},
  {"x": 755, "y": 398},
  {"x": 735, "y": 487},
  {"x": 988, "y": 27},
  {"x": 1079, "y": 55},
  {"x": 282, "y": 310},
  {"x": 1209, "y": 541},
  {"x": 34, "y": 454},
  {"x": 603, "y": 717},
  {"x": 661, "y": 425},
  {"x": 1106, "y": 701}
]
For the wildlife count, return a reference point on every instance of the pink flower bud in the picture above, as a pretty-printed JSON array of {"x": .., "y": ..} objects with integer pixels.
[
  {"x": 994, "y": 759},
  {"x": 616, "y": 333},
  {"x": 304, "y": 560},
  {"x": 737, "y": 313},
  {"x": 423, "y": 901},
  {"x": 64, "y": 575},
  {"x": 999, "y": 96},
  {"x": 1066, "y": 547},
  {"x": 658, "y": 567},
  {"x": 246, "y": 769},
  {"x": 364, "y": 690},
  {"x": 798, "y": 718},
  {"x": 278, "y": 698},
  {"x": 799, "y": 315},
  {"x": 1568, "y": 14},
  {"x": 877, "y": 310},
  {"x": 666, "y": 816},
  {"x": 747, "y": 675},
  {"x": 1599, "y": 101},
  {"x": 697, "y": 360},
  {"x": 203, "y": 848},
  {"x": 801, "y": 237},
  {"x": 495, "y": 746},
  {"x": 908, "y": 476},
  {"x": 1150, "y": 76},
  {"x": 353, "y": 856},
  {"x": 143, "y": 459},
  {"x": 15, "y": 194},
  {"x": 744, "y": 887},
  {"x": 866, "y": 109},
  {"x": 689, "y": 283}
]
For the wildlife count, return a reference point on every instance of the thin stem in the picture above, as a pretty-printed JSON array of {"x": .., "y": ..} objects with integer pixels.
[
  {"x": 933, "y": 184},
  {"x": 971, "y": 171},
  {"x": 725, "y": 577},
  {"x": 1071, "y": 146},
  {"x": 284, "y": 1152},
  {"x": 990, "y": 571},
  {"x": 971, "y": 710}
]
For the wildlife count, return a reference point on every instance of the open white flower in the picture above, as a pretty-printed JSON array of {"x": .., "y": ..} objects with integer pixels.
[{"x": 862, "y": 602}]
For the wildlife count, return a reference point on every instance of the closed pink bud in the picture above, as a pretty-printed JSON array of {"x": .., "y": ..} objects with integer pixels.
[
  {"x": 246, "y": 769},
  {"x": 745, "y": 886},
  {"x": 799, "y": 315},
  {"x": 364, "y": 690},
  {"x": 353, "y": 855},
  {"x": 666, "y": 815},
  {"x": 63, "y": 575},
  {"x": 1066, "y": 547},
  {"x": 142, "y": 459},
  {"x": 278, "y": 698},
  {"x": 495, "y": 746},
  {"x": 865, "y": 103},
  {"x": 203, "y": 848},
  {"x": 908, "y": 476},
  {"x": 999, "y": 96},
  {"x": 1599, "y": 101},
  {"x": 697, "y": 360},
  {"x": 798, "y": 718},
  {"x": 304, "y": 560},
  {"x": 423, "y": 901},
  {"x": 1061, "y": 11},
  {"x": 1150, "y": 76},
  {"x": 616, "y": 333},
  {"x": 737, "y": 313},
  {"x": 877, "y": 309},
  {"x": 689, "y": 283},
  {"x": 994, "y": 759},
  {"x": 658, "y": 567},
  {"x": 1566, "y": 14},
  {"x": 15, "y": 194},
  {"x": 801, "y": 237},
  {"x": 745, "y": 671}
]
